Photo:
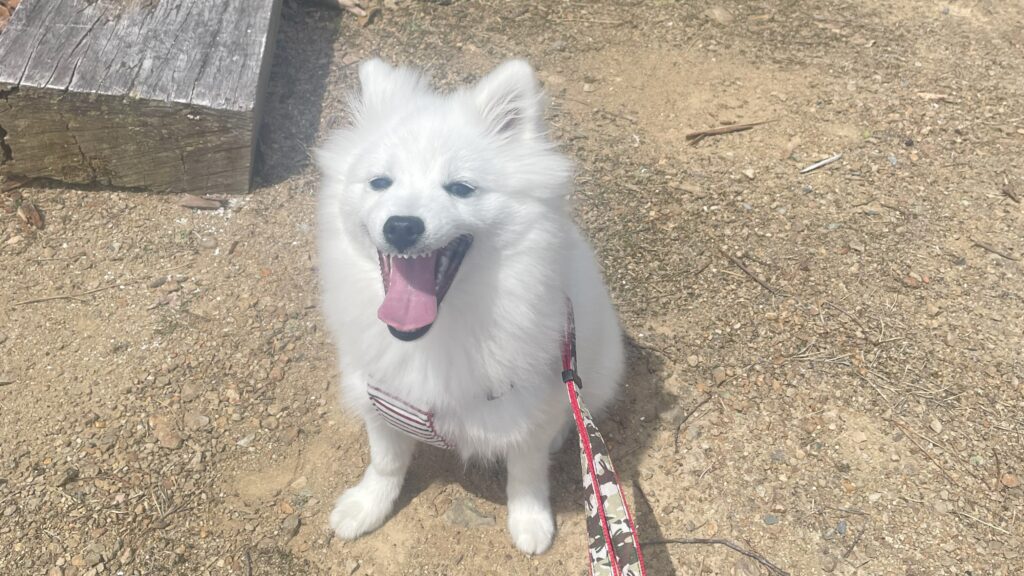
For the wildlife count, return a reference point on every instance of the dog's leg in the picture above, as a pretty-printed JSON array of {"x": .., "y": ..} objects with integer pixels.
[
  {"x": 365, "y": 506},
  {"x": 530, "y": 520}
]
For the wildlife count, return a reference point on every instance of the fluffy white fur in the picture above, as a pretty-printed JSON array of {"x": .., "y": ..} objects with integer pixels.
[{"x": 498, "y": 330}]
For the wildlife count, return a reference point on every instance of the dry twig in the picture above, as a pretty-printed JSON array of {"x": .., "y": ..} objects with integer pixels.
[
  {"x": 855, "y": 542},
  {"x": 982, "y": 522},
  {"x": 747, "y": 271},
  {"x": 925, "y": 452},
  {"x": 687, "y": 418},
  {"x": 79, "y": 295},
  {"x": 821, "y": 164},
  {"x": 694, "y": 137},
  {"x": 68, "y": 296},
  {"x": 996, "y": 251},
  {"x": 1009, "y": 192},
  {"x": 728, "y": 544}
]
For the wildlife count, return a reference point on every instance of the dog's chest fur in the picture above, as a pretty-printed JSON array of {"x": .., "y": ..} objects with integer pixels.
[{"x": 478, "y": 400}]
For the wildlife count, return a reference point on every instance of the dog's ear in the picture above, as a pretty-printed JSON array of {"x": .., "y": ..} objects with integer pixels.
[
  {"x": 383, "y": 86},
  {"x": 511, "y": 101}
]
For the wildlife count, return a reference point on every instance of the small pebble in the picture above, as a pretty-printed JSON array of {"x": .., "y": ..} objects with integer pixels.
[
  {"x": 69, "y": 476},
  {"x": 290, "y": 526},
  {"x": 464, "y": 514},
  {"x": 194, "y": 421},
  {"x": 157, "y": 282},
  {"x": 165, "y": 433},
  {"x": 771, "y": 519},
  {"x": 208, "y": 242},
  {"x": 719, "y": 375},
  {"x": 692, "y": 360}
]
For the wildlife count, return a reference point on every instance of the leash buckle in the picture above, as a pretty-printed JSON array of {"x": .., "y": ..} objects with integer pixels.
[{"x": 571, "y": 376}]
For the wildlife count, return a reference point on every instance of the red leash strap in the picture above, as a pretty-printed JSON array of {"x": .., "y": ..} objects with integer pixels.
[{"x": 614, "y": 548}]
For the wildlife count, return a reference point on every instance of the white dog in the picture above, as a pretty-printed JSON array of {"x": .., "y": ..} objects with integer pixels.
[{"x": 447, "y": 252}]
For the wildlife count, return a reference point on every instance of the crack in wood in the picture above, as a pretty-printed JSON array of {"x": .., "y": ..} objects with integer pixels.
[{"x": 206, "y": 56}]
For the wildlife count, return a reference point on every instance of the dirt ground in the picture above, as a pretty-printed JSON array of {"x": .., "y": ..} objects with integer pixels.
[{"x": 826, "y": 368}]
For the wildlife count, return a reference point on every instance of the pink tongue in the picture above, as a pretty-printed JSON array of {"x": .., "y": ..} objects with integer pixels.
[{"x": 411, "y": 299}]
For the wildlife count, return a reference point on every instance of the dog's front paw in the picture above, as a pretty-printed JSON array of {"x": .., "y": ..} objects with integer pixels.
[
  {"x": 359, "y": 510},
  {"x": 532, "y": 529}
]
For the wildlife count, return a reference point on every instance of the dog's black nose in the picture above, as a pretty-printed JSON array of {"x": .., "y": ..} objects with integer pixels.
[{"x": 402, "y": 232}]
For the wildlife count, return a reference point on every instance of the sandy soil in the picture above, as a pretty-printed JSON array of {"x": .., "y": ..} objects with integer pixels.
[{"x": 826, "y": 369}]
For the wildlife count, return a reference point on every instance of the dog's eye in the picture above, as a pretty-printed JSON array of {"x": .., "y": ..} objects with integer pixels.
[
  {"x": 459, "y": 189},
  {"x": 381, "y": 183}
]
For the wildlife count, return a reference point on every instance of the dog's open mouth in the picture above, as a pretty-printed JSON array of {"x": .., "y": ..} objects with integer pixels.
[{"x": 415, "y": 284}]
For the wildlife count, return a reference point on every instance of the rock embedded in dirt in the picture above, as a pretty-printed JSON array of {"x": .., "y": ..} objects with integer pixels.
[
  {"x": 195, "y": 421},
  {"x": 165, "y": 433},
  {"x": 464, "y": 514},
  {"x": 719, "y": 375},
  {"x": 67, "y": 477},
  {"x": 290, "y": 526}
]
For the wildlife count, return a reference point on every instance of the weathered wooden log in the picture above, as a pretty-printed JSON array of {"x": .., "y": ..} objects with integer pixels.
[{"x": 157, "y": 95}]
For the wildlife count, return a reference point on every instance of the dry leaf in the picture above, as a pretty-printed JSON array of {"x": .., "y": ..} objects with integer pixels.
[
  {"x": 371, "y": 15},
  {"x": 29, "y": 213},
  {"x": 933, "y": 96},
  {"x": 200, "y": 203},
  {"x": 12, "y": 183},
  {"x": 719, "y": 15}
]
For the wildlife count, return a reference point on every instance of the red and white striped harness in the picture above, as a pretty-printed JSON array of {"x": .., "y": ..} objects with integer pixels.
[{"x": 407, "y": 418}]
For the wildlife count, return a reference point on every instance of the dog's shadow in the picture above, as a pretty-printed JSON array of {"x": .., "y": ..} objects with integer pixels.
[{"x": 628, "y": 427}]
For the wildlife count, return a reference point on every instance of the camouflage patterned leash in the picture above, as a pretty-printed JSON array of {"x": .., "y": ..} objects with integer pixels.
[{"x": 614, "y": 545}]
